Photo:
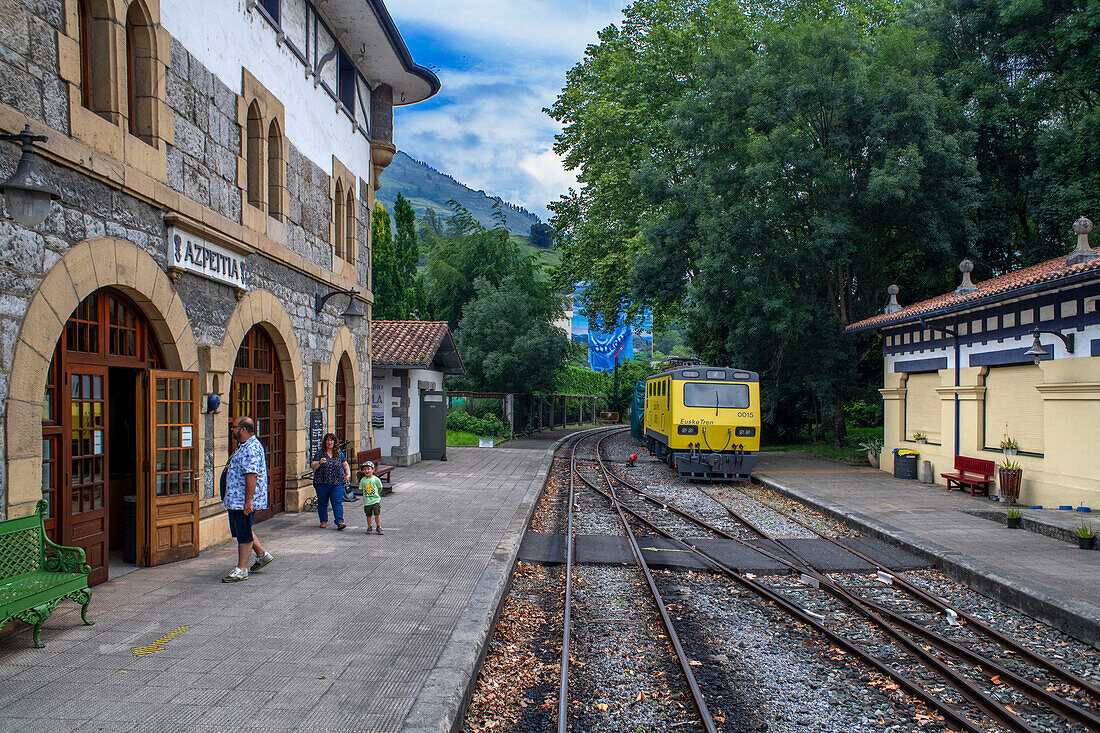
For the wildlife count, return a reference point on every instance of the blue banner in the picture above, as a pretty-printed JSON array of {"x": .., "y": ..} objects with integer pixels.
[{"x": 605, "y": 350}]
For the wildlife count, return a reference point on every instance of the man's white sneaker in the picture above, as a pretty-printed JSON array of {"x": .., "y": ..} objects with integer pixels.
[
  {"x": 236, "y": 576},
  {"x": 261, "y": 562}
]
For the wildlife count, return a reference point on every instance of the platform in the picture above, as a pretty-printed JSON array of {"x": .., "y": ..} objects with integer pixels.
[
  {"x": 342, "y": 632},
  {"x": 1036, "y": 570}
]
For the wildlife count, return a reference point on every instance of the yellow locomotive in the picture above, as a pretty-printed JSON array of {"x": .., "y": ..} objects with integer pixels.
[{"x": 704, "y": 421}]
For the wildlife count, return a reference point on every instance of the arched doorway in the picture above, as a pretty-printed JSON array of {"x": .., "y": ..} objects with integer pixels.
[
  {"x": 340, "y": 420},
  {"x": 258, "y": 392},
  {"x": 118, "y": 450}
]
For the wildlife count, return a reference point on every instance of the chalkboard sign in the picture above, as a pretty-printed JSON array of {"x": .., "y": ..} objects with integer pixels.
[{"x": 316, "y": 431}]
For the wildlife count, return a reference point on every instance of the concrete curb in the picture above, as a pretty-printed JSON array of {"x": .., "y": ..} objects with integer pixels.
[
  {"x": 1076, "y": 618},
  {"x": 442, "y": 702}
]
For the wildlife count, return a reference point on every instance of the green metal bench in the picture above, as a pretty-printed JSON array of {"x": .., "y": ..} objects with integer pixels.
[{"x": 37, "y": 574}]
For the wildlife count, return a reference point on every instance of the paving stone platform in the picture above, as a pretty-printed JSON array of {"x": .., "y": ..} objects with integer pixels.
[
  {"x": 1034, "y": 569},
  {"x": 343, "y": 632}
]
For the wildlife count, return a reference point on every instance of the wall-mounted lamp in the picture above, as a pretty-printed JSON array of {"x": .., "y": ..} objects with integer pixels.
[
  {"x": 213, "y": 402},
  {"x": 353, "y": 314},
  {"x": 29, "y": 195},
  {"x": 1039, "y": 352}
]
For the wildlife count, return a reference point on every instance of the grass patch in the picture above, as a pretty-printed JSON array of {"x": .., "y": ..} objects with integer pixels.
[
  {"x": 461, "y": 437},
  {"x": 852, "y": 453}
]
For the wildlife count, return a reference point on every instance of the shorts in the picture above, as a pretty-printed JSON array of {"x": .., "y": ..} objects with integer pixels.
[
  {"x": 373, "y": 510},
  {"x": 240, "y": 526}
]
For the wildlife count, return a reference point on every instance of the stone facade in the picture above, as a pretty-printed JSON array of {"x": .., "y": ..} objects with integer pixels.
[{"x": 111, "y": 228}]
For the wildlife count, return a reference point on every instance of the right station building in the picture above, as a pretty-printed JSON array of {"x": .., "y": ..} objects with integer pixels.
[{"x": 1006, "y": 370}]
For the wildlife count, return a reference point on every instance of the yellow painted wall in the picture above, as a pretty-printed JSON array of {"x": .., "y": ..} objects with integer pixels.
[{"x": 1068, "y": 471}]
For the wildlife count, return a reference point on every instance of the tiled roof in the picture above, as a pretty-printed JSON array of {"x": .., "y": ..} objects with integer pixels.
[
  {"x": 1044, "y": 272},
  {"x": 411, "y": 343}
]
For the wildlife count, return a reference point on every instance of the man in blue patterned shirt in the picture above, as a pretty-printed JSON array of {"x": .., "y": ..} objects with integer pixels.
[{"x": 245, "y": 492}]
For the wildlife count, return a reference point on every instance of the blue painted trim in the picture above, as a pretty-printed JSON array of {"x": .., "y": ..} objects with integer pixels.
[
  {"x": 914, "y": 366},
  {"x": 1006, "y": 356},
  {"x": 1095, "y": 347}
]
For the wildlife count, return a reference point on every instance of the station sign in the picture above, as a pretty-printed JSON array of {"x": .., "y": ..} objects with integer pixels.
[{"x": 191, "y": 253}]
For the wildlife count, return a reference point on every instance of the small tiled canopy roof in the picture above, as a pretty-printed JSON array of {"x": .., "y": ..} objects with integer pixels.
[
  {"x": 415, "y": 345},
  {"x": 1045, "y": 275}
]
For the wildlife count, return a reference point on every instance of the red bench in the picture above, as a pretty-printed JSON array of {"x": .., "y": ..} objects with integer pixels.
[
  {"x": 973, "y": 473},
  {"x": 380, "y": 470}
]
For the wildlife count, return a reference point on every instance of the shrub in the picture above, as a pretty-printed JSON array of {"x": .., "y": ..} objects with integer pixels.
[
  {"x": 864, "y": 414},
  {"x": 489, "y": 426}
]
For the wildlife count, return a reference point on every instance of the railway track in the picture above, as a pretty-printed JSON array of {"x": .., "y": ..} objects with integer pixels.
[{"x": 906, "y": 638}]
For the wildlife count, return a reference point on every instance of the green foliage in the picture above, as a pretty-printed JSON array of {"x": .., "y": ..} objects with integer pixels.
[
  {"x": 1084, "y": 530},
  {"x": 623, "y": 393},
  {"x": 388, "y": 291},
  {"x": 864, "y": 414},
  {"x": 578, "y": 381},
  {"x": 874, "y": 445},
  {"x": 461, "y": 437},
  {"x": 1012, "y": 513},
  {"x": 542, "y": 235},
  {"x": 507, "y": 337},
  {"x": 489, "y": 426},
  {"x": 766, "y": 186},
  {"x": 465, "y": 253}
]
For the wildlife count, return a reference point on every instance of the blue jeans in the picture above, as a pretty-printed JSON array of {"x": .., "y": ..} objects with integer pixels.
[{"x": 325, "y": 493}]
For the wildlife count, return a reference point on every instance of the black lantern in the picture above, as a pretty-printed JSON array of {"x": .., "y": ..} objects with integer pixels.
[
  {"x": 352, "y": 315},
  {"x": 28, "y": 195},
  {"x": 1038, "y": 352}
]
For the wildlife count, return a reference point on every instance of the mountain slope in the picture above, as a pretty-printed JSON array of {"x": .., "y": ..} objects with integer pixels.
[{"x": 426, "y": 188}]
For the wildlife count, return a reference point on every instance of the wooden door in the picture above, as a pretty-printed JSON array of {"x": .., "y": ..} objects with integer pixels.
[
  {"x": 171, "y": 497},
  {"x": 257, "y": 392},
  {"x": 85, "y": 488}
]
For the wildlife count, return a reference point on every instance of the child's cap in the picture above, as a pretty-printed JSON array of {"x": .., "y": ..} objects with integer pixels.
[{"x": 369, "y": 464}]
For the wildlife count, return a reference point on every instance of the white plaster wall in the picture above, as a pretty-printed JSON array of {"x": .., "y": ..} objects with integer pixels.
[
  {"x": 415, "y": 377},
  {"x": 225, "y": 38},
  {"x": 383, "y": 436}
]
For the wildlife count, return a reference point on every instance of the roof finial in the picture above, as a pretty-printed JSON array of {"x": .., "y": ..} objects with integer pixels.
[
  {"x": 1084, "y": 252},
  {"x": 966, "y": 286},
  {"x": 893, "y": 306}
]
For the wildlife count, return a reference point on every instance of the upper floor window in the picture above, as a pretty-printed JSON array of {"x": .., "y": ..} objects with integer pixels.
[
  {"x": 338, "y": 217},
  {"x": 94, "y": 27},
  {"x": 275, "y": 170},
  {"x": 349, "y": 226},
  {"x": 254, "y": 150},
  {"x": 345, "y": 81},
  {"x": 141, "y": 73},
  {"x": 271, "y": 7}
]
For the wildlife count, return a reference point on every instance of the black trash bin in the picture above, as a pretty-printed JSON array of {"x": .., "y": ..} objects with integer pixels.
[
  {"x": 129, "y": 530},
  {"x": 905, "y": 466}
]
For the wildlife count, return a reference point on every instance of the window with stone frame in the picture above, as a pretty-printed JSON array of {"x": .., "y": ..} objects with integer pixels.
[
  {"x": 141, "y": 73},
  {"x": 254, "y": 152},
  {"x": 276, "y": 171},
  {"x": 349, "y": 226},
  {"x": 339, "y": 220},
  {"x": 96, "y": 67}
]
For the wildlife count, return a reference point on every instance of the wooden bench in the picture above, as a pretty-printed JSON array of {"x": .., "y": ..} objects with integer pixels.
[
  {"x": 37, "y": 574},
  {"x": 973, "y": 473},
  {"x": 381, "y": 470}
]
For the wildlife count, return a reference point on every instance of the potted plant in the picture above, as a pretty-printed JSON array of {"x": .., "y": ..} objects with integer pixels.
[
  {"x": 1009, "y": 475},
  {"x": 873, "y": 447},
  {"x": 1086, "y": 536},
  {"x": 921, "y": 438},
  {"x": 1012, "y": 518},
  {"x": 1009, "y": 446}
]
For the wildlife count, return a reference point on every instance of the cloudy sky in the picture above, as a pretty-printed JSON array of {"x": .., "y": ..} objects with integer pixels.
[{"x": 500, "y": 62}]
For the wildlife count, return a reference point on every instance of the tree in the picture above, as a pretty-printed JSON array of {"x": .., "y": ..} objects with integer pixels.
[
  {"x": 468, "y": 251},
  {"x": 410, "y": 286},
  {"x": 507, "y": 337},
  {"x": 542, "y": 235},
  {"x": 388, "y": 296}
]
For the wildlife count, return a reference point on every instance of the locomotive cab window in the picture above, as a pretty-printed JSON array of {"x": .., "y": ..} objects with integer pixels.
[{"x": 701, "y": 394}]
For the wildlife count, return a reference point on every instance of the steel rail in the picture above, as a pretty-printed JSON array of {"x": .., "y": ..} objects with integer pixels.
[
  {"x": 666, "y": 620},
  {"x": 948, "y": 710},
  {"x": 938, "y": 603},
  {"x": 563, "y": 692},
  {"x": 879, "y": 614}
]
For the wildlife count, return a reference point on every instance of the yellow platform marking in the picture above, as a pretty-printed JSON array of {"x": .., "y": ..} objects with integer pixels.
[
  {"x": 891, "y": 506},
  {"x": 158, "y": 645}
]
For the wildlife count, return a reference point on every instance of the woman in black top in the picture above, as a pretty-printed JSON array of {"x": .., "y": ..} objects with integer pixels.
[{"x": 330, "y": 472}]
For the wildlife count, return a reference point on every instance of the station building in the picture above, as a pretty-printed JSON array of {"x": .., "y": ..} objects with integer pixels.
[
  {"x": 1014, "y": 357},
  {"x": 217, "y": 164}
]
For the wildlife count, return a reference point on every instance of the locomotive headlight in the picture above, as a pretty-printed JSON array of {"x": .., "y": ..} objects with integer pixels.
[
  {"x": 688, "y": 429},
  {"x": 744, "y": 432}
]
